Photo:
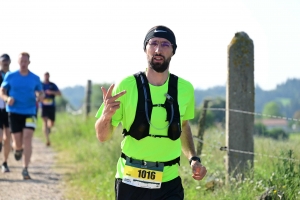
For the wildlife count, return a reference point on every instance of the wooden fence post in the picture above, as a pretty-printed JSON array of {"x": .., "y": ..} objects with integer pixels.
[
  {"x": 88, "y": 98},
  {"x": 201, "y": 127}
]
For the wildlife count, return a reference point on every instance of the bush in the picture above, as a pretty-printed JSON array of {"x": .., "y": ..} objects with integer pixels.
[
  {"x": 277, "y": 133},
  {"x": 209, "y": 118},
  {"x": 260, "y": 129}
]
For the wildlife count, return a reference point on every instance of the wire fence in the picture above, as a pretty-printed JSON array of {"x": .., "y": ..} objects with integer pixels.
[
  {"x": 245, "y": 152},
  {"x": 252, "y": 113},
  {"x": 80, "y": 111},
  {"x": 224, "y": 148}
]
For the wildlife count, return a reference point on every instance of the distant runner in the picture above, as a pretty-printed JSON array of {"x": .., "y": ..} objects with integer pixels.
[
  {"x": 4, "y": 127},
  {"x": 23, "y": 87},
  {"x": 48, "y": 105}
]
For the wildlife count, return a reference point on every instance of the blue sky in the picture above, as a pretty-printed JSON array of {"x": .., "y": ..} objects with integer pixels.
[{"x": 102, "y": 40}]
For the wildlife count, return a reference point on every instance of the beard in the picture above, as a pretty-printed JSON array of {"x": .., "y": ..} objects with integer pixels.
[{"x": 160, "y": 67}]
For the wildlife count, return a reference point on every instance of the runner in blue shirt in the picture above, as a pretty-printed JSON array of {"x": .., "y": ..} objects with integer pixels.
[
  {"x": 23, "y": 87},
  {"x": 48, "y": 105},
  {"x": 4, "y": 127}
]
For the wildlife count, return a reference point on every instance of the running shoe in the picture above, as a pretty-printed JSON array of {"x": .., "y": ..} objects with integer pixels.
[
  {"x": 18, "y": 154},
  {"x": 25, "y": 174},
  {"x": 4, "y": 167}
]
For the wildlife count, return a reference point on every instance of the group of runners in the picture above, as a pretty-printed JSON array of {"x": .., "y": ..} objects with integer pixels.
[
  {"x": 154, "y": 107},
  {"x": 22, "y": 93}
]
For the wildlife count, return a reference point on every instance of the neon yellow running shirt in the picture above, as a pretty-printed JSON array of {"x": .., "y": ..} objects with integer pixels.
[{"x": 150, "y": 148}]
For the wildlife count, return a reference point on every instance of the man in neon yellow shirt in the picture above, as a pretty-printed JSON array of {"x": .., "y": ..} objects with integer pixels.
[{"x": 154, "y": 108}]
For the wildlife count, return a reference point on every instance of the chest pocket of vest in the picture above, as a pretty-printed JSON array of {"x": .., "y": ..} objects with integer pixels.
[
  {"x": 174, "y": 130},
  {"x": 140, "y": 126}
]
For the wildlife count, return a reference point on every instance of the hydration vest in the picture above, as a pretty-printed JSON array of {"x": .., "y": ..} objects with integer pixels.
[{"x": 141, "y": 124}]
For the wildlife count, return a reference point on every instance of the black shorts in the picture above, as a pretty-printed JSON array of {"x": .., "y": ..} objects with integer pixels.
[
  {"x": 171, "y": 190},
  {"x": 17, "y": 122},
  {"x": 3, "y": 118},
  {"x": 49, "y": 112}
]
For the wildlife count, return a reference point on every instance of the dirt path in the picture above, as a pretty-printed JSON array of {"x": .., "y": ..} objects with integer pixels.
[{"x": 46, "y": 180}]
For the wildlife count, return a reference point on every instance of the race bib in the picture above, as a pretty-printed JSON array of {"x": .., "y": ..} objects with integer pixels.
[
  {"x": 48, "y": 101},
  {"x": 30, "y": 122},
  {"x": 145, "y": 175}
]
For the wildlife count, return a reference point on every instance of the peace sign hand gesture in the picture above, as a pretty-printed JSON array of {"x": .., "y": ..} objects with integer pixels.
[{"x": 110, "y": 103}]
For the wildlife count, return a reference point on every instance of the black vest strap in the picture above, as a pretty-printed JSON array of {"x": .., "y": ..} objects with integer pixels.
[
  {"x": 140, "y": 124},
  {"x": 168, "y": 163},
  {"x": 173, "y": 92}
]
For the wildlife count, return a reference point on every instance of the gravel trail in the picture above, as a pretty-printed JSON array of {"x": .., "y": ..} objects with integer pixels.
[{"x": 46, "y": 182}]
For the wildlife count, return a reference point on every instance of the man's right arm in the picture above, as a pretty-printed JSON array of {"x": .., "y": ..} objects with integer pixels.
[{"x": 103, "y": 126}]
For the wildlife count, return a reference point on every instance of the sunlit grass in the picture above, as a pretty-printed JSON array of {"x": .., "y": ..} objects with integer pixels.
[{"x": 94, "y": 163}]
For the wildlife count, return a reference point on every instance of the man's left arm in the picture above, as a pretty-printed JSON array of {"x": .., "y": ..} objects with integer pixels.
[{"x": 188, "y": 148}]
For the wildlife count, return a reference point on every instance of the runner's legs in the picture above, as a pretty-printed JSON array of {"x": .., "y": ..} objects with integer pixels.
[{"x": 27, "y": 145}]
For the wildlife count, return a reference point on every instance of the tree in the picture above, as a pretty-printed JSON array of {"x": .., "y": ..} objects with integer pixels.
[
  {"x": 293, "y": 107},
  {"x": 297, "y": 116},
  {"x": 260, "y": 129},
  {"x": 272, "y": 108},
  {"x": 61, "y": 103},
  {"x": 218, "y": 115},
  {"x": 212, "y": 116}
]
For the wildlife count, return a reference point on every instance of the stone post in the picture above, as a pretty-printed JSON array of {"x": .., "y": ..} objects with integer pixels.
[{"x": 240, "y": 96}]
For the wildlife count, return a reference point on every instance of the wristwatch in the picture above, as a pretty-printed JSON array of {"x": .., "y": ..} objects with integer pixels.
[{"x": 195, "y": 158}]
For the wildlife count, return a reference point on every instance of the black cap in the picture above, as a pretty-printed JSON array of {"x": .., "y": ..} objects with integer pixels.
[
  {"x": 162, "y": 32},
  {"x": 4, "y": 57}
]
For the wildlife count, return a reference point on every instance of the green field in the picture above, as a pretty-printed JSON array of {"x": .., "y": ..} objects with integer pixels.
[{"x": 92, "y": 164}]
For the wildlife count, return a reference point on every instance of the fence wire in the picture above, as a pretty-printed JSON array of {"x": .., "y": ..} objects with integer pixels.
[
  {"x": 248, "y": 152},
  {"x": 252, "y": 113},
  {"x": 224, "y": 148}
]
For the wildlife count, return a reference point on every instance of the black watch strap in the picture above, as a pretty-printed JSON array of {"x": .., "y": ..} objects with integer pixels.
[{"x": 195, "y": 158}]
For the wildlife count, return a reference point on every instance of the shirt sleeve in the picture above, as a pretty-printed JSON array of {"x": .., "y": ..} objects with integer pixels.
[
  {"x": 190, "y": 109},
  {"x": 55, "y": 88},
  {"x": 39, "y": 86}
]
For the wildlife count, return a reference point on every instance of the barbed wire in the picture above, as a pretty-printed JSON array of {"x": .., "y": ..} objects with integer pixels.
[
  {"x": 70, "y": 110},
  {"x": 252, "y": 113},
  {"x": 215, "y": 109},
  {"x": 212, "y": 109},
  {"x": 245, "y": 152}
]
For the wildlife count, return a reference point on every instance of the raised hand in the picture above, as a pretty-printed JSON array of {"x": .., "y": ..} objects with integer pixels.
[{"x": 110, "y": 103}]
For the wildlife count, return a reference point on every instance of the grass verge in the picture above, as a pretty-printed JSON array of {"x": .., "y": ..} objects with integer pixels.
[{"x": 94, "y": 163}]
